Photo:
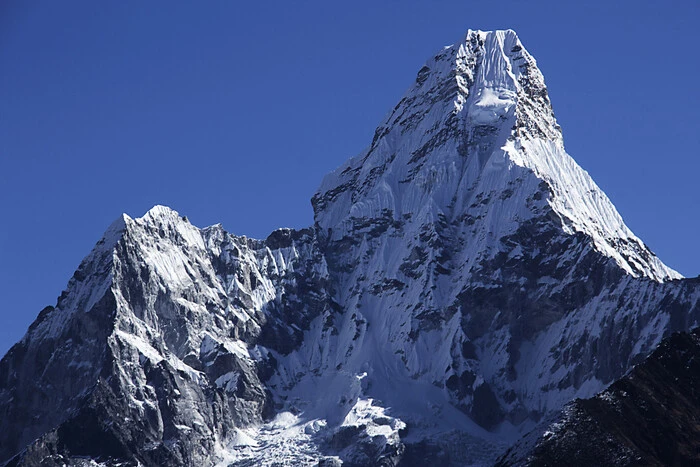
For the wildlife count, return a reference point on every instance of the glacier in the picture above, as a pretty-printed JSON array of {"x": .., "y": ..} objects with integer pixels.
[{"x": 463, "y": 280}]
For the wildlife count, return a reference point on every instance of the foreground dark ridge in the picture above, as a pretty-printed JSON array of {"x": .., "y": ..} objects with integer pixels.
[{"x": 649, "y": 417}]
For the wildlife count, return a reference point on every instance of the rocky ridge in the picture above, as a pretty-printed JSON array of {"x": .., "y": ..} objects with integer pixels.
[{"x": 648, "y": 417}]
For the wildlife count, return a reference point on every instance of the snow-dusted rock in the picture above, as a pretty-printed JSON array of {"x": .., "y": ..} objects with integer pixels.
[{"x": 155, "y": 342}]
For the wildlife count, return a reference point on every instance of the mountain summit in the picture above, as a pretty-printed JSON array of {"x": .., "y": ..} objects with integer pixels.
[
  {"x": 476, "y": 133},
  {"x": 464, "y": 279}
]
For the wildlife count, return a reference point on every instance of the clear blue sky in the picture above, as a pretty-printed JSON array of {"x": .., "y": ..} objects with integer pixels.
[{"x": 232, "y": 112}]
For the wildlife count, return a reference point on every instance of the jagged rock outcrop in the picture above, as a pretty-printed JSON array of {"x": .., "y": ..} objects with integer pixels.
[
  {"x": 153, "y": 348},
  {"x": 463, "y": 279}
]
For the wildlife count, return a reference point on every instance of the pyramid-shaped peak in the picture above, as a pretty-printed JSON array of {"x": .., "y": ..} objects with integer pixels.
[
  {"x": 475, "y": 139},
  {"x": 160, "y": 213},
  {"x": 497, "y": 57}
]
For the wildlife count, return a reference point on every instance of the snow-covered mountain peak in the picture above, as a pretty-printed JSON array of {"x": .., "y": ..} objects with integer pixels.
[
  {"x": 161, "y": 216},
  {"x": 166, "y": 225},
  {"x": 464, "y": 278},
  {"x": 160, "y": 212},
  {"x": 503, "y": 57},
  {"x": 476, "y": 136}
]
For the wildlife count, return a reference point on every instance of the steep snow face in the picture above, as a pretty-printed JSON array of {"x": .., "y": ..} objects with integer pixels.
[
  {"x": 465, "y": 243},
  {"x": 477, "y": 124}
]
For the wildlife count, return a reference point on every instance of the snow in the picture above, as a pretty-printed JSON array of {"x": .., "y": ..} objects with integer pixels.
[
  {"x": 490, "y": 106},
  {"x": 581, "y": 201},
  {"x": 143, "y": 347},
  {"x": 228, "y": 381},
  {"x": 284, "y": 440}
]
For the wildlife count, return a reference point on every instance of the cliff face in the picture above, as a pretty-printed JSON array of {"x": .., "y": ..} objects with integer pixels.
[{"x": 464, "y": 278}]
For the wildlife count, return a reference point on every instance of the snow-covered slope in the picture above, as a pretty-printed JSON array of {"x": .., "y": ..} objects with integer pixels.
[{"x": 463, "y": 279}]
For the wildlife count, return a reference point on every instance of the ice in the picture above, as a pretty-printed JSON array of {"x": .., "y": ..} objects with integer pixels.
[
  {"x": 228, "y": 381},
  {"x": 491, "y": 106},
  {"x": 143, "y": 347}
]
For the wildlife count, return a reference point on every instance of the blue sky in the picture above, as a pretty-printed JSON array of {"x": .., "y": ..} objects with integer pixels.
[{"x": 232, "y": 112}]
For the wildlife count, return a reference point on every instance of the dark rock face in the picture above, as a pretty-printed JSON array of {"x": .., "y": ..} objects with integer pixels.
[
  {"x": 648, "y": 417},
  {"x": 40, "y": 382}
]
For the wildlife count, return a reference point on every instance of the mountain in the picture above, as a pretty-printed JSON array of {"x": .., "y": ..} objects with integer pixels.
[
  {"x": 648, "y": 417},
  {"x": 464, "y": 279}
]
